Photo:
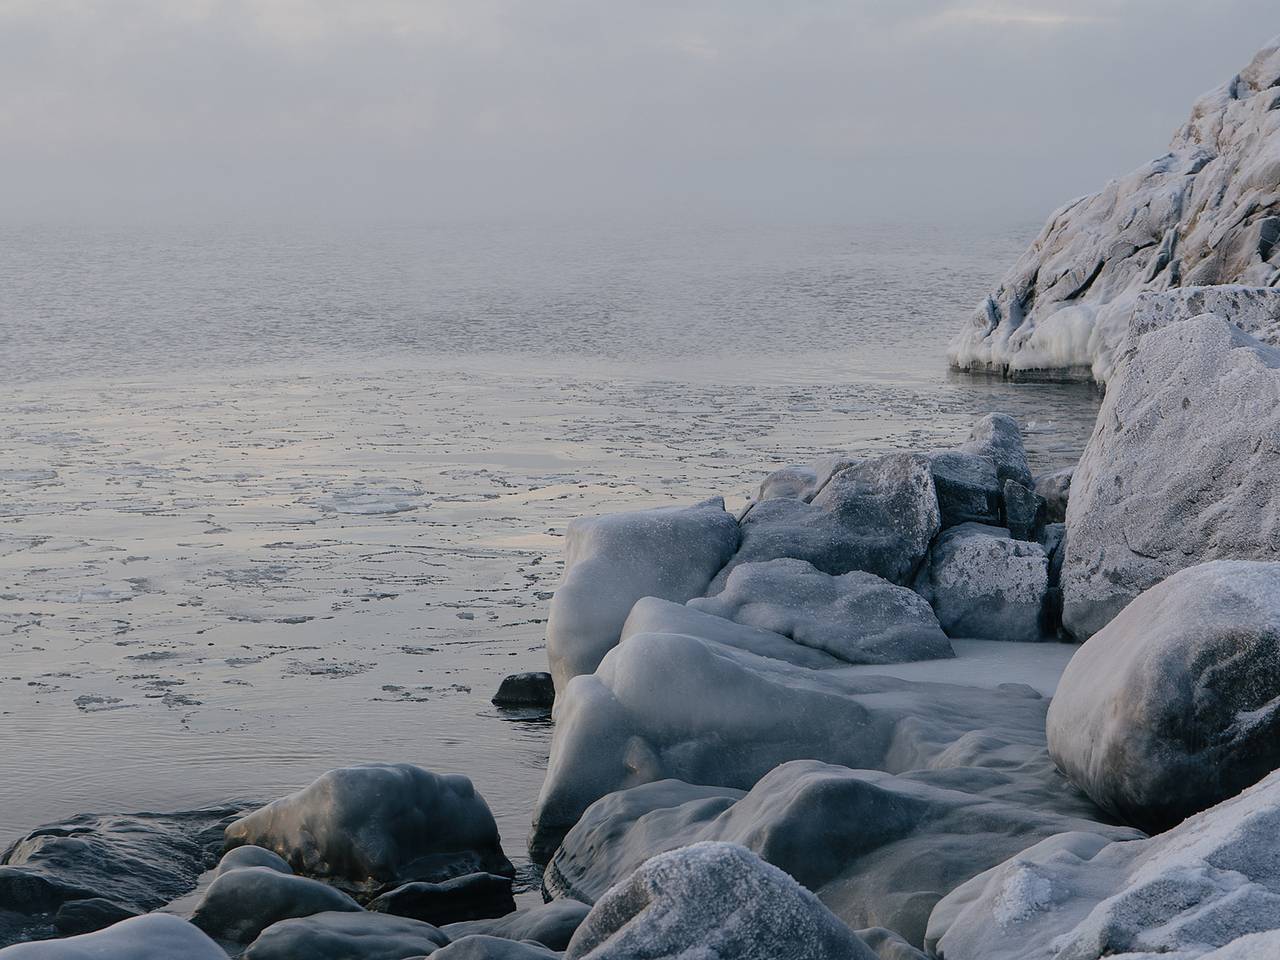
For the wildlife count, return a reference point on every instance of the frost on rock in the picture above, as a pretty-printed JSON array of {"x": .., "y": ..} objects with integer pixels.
[
  {"x": 612, "y": 561},
  {"x": 857, "y": 617},
  {"x": 877, "y": 516},
  {"x": 156, "y": 936},
  {"x": 875, "y": 848},
  {"x": 1183, "y": 467},
  {"x": 373, "y": 827},
  {"x": 984, "y": 584},
  {"x": 1175, "y": 705},
  {"x": 712, "y": 900},
  {"x": 803, "y": 481},
  {"x": 1206, "y": 884},
  {"x": 1205, "y": 213}
]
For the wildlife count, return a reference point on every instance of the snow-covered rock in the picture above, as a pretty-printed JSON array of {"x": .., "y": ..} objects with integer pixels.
[
  {"x": 1205, "y": 213},
  {"x": 857, "y": 617},
  {"x": 674, "y": 706},
  {"x": 612, "y": 561},
  {"x": 156, "y": 936},
  {"x": 998, "y": 438},
  {"x": 875, "y": 848},
  {"x": 877, "y": 516},
  {"x": 1183, "y": 467},
  {"x": 982, "y": 583},
  {"x": 712, "y": 900},
  {"x": 1202, "y": 885},
  {"x": 550, "y": 924},
  {"x": 1175, "y": 705},
  {"x": 241, "y": 903},
  {"x": 798, "y": 481},
  {"x": 350, "y": 936},
  {"x": 370, "y": 828}
]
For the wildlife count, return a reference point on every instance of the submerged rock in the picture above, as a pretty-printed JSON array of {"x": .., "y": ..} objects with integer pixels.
[
  {"x": 370, "y": 828},
  {"x": 550, "y": 924},
  {"x": 1175, "y": 705},
  {"x": 1182, "y": 467},
  {"x": 612, "y": 561},
  {"x": 713, "y": 900},
  {"x": 1207, "y": 212},
  {"x": 876, "y": 849},
  {"x": 156, "y": 936},
  {"x": 357, "y": 936},
  {"x": 1204, "y": 884},
  {"x": 877, "y": 516},
  {"x": 856, "y": 617},
  {"x": 473, "y": 897},
  {"x": 982, "y": 583},
  {"x": 241, "y": 903}
]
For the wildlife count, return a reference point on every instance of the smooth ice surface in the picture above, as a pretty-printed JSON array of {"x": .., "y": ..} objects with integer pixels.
[{"x": 1207, "y": 212}]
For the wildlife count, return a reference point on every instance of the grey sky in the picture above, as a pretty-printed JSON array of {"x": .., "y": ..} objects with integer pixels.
[{"x": 491, "y": 108}]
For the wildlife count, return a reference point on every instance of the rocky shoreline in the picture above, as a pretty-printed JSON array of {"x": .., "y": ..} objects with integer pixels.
[{"x": 915, "y": 705}]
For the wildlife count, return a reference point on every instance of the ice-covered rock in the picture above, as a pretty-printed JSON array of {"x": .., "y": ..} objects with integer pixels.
[
  {"x": 982, "y": 583},
  {"x": 998, "y": 438},
  {"x": 1255, "y": 310},
  {"x": 802, "y": 481},
  {"x": 370, "y": 828},
  {"x": 483, "y": 947},
  {"x": 673, "y": 706},
  {"x": 156, "y": 936},
  {"x": 138, "y": 862},
  {"x": 1202, "y": 885},
  {"x": 857, "y": 617},
  {"x": 241, "y": 903},
  {"x": 238, "y": 858},
  {"x": 1182, "y": 467},
  {"x": 712, "y": 900},
  {"x": 475, "y": 896},
  {"x": 612, "y": 561},
  {"x": 1055, "y": 488},
  {"x": 85, "y": 916},
  {"x": 1205, "y": 213},
  {"x": 1024, "y": 511},
  {"x": 1175, "y": 705},
  {"x": 876, "y": 849},
  {"x": 550, "y": 924},
  {"x": 350, "y": 936},
  {"x": 877, "y": 516},
  {"x": 968, "y": 487}
]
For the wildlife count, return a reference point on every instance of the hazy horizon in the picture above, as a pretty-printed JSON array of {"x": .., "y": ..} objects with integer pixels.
[{"x": 307, "y": 109}]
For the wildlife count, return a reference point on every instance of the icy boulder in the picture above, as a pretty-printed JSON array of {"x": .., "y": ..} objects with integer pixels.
[
  {"x": 156, "y": 936},
  {"x": 713, "y": 900},
  {"x": 673, "y": 706},
  {"x": 875, "y": 848},
  {"x": 370, "y": 828},
  {"x": 357, "y": 936},
  {"x": 998, "y": 438},
  {"x": 984, "y": 584},
  {"x": 968, "y": 487},
  {"x": 1205, "y": 213},
  {"x": 856, "y": 617},
  {"x": 802, "y": 481},
  {"x": 877, "y": 516},
  {"x": 613, "y": 560},
  {"x": 1175, "y": 705},
  {"x": 242, "y": 903},
  {"x": 240, "y": 858},
  {"x": 483, "y": 947},
  {"x": 550, "y": 924},
  {"x": 1183, "y": 467},
  {"x": 1203, "y": 885}
]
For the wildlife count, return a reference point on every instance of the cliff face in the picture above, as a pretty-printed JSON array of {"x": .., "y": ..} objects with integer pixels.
[{"x": 1207, "y": 212}]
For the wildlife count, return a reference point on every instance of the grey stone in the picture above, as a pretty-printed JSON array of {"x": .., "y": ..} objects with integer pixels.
[
  {"x": 526, "y": 690},
  {"x": 968, "y": 487},
  {"x": 1205, "y": 213},
  {"x": 712, "y": 900},
  {"x": 346, "y": 936},
  {"x": 1055, "y": 488},
  {"x": 550, "y": 924},
  {"x": 156, "y": 936},
  {"x": 238, "y": 858},
  {"x": 473, "y": 897},
  {"x": 1201, "y": 886},
  {"x": 612, "y": 561},
  {"x": 1182, "y": 468},
  {"x": 241, "y": 903},
  {"x": 85, "y": 916},
  {"x": 368, "y": 829},
  {"x": 1024, "y": 511},
  {"x": 802, "y": 481},
  {"x": 984, "y": 584},
  {"x": 481, "y": 947},
  {"x": 1173, "y": 706},
  {"x": 998, "y": 438}
]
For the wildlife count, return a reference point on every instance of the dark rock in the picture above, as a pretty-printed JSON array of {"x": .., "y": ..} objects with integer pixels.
[
  {"x": 968, "y": 487},
  {"x": 155, "y": 936},
  {"x": 346, "y": 936},
  {"x": 1024, "y": 511},
  {"x": 476, "y": 896},
  {"x": 481, "y": 947},
  {"x": 1056, "y": 489},
  {"x": 85, "y": 916},
  {"x": 242, "y": 903},
  {"x": 997, "y": 437},
  {"x": 239, "y": 858},
  {"x": 550, "y": 924},
  {"x": 526, "y": 690}
]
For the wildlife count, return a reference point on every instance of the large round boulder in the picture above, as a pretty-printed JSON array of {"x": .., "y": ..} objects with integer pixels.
[
  {"x": 1175, "y": 705},
  {"x": 155, "y": 936}
]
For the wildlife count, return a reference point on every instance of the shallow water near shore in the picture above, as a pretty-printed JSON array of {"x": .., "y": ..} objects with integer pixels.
[{"x": 273, "y": 504}]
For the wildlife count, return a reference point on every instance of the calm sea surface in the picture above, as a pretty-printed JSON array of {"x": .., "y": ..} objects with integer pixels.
[{"x": 274, "y": 500}]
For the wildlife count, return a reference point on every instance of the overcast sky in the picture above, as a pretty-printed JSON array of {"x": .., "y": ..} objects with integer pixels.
[{"x": 445, "y": 109}]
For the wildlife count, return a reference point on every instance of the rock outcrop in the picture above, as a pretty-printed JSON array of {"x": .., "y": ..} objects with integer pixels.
[
  {"x": 1182, "y": 468},
  {"x": 1205, "y": 213}
]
